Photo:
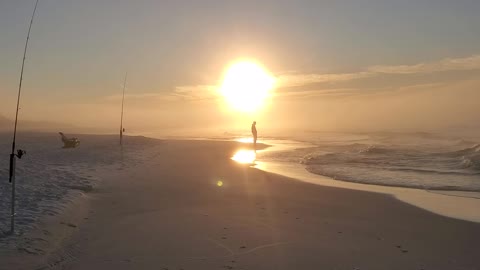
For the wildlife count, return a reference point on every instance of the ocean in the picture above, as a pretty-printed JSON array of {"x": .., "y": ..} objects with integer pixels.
[{"x": 416, "y": 160}]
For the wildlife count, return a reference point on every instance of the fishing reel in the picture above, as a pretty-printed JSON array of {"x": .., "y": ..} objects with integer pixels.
[{"x": 20, "y": 153}]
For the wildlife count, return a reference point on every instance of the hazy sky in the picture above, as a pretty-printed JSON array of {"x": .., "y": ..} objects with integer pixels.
[{"x": 355, "y": 64}]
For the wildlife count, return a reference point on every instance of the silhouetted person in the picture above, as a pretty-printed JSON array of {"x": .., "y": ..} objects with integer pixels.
[{"x": 254, "y": 133}]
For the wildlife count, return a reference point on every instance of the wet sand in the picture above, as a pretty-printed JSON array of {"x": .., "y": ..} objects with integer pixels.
[{"x": 170, "y": 213}]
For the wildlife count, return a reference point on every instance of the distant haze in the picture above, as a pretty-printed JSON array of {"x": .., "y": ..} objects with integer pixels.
[{"x": 350, "y": 66}]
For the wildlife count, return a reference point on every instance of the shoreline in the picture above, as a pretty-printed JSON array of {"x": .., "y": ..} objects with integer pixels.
[
  {"x": 452, "y": 204},
  {"x": 42, "y": 243}
]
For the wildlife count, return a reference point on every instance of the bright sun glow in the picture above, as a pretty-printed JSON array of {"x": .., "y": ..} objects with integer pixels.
[{"x": 246, "y": 85}]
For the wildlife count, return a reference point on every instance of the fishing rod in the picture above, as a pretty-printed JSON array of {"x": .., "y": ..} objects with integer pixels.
[
  {"x": 121, "y": 115},
  {"x": 20, "y": 152}
]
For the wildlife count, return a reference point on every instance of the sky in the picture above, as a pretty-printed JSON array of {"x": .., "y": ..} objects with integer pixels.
[{"x": 339, "y": 65}]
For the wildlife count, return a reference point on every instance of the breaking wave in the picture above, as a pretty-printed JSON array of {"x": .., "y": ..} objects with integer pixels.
[{"x": 418, "y": 162}]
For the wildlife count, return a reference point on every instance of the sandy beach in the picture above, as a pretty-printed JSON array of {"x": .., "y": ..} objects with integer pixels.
[{"x": 170, "y": 212}]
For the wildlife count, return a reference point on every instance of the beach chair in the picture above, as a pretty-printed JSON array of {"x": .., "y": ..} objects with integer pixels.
[{"x": 69, "y": 142}]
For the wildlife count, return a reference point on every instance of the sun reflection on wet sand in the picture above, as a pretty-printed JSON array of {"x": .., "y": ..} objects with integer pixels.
[
  {"x": 245, "y": 156},
  {"x": 245, "y": 140}
]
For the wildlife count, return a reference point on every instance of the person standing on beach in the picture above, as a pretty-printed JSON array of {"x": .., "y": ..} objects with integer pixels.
[{"x": 254, "y": 133}]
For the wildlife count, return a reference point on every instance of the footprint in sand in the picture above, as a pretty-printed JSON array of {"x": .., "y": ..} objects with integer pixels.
[
  {"x": 402, "y": 249},
  {"x": 68, "y": 224},
  {"x": 27, "y": 250},
  {"x": 39, "y": 239}
]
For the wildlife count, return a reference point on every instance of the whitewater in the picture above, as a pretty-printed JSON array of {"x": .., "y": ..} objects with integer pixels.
[
  {"x": 414, "y": 160},
  {"x": 49, "y": 177}
]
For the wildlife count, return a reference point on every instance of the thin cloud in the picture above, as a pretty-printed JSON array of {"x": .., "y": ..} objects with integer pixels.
[
  {"x": 449, "y": 64},
  {"x": 141, "y": 96},
  {"x": 196, "y": 92},
  {"x": 292, "y": 80},
  {"x": 189, "y": 92},
  {"x": 316, "y": 93}
]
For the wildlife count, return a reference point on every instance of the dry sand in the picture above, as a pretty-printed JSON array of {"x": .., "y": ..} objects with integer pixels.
[{"x": 169, "y": 213}]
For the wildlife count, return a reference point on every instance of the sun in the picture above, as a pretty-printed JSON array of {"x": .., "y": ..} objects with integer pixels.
[{"x": 246, "y": 85}]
